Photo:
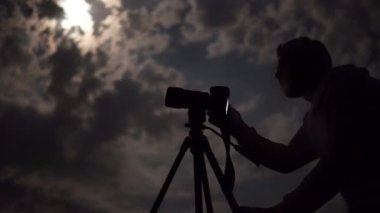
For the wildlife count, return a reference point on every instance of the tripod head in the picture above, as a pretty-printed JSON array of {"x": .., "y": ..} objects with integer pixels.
[{"x": 197, "y": 117}]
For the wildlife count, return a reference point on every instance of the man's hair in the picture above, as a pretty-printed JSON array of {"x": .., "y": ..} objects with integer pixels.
[
  {"x": 308, "y": 59},
  {"x": 306, "y": 51}
]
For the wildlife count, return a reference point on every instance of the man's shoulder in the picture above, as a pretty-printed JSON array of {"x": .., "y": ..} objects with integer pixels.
[
  {"x": 347, "y": 67},
  {"x": 347, "y": 77},
  {"x": 342, "y": 85},
  {"x": 348, "y": 71}
]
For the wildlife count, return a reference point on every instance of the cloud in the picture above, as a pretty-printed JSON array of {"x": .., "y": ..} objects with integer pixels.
[
  {"x": 76, "y": 137},
  {"x": 169, "y": 13},
  {"x": 49, "y": 9},
  {"x": 14, "y": 48},
  {"x": 61, "y": 143},
  {"x": 85, "y": 129},
  {"x": 249, "y": 106},
  {"x": 99, "y": 13},
  {"x": 66, "y": 62},
  {"x": 6, "y": 9},
  {"x": 9, "y": 8},
  {"x": 256, "y": 28},
  {"x": 156, "y": 77},
  {"x": 221, "y": 13}
]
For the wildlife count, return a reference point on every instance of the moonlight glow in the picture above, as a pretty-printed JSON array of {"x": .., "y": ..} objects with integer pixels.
[{"x": 76, "y": 15}]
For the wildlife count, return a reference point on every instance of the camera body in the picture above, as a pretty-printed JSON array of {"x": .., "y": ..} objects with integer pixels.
[{"x": 215, "y": 101}]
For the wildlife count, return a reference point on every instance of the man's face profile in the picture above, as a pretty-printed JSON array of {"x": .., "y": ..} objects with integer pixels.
[{"x": 290, "y": 83}]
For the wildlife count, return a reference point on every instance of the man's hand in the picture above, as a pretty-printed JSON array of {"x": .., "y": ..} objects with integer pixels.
[
  {"x": 234, "y": 122},
  {"x": 245, "y": 136}
]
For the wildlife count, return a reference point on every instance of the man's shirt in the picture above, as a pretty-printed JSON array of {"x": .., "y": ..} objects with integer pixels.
[{"x": 342, "y": 129}]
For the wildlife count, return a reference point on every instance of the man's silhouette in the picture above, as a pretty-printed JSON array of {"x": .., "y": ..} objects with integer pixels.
[{"x": 341, "y": 129}]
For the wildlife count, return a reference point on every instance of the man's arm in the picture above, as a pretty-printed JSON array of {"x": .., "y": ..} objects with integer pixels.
[
  {"x": 318, "y": 187},
  {"x": 273, "y": 155},
  {"x": 260, "y": 150}
]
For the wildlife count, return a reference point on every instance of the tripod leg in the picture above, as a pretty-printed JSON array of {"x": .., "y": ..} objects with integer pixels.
[
  {"x": 197, "y": 153},
  {"x": 206, "y": 188},
  {"x": 219, "y": 175},
  {"x": 169, "y": 178}
]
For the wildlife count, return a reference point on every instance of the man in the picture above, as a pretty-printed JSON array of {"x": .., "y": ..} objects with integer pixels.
[{"x": 341, "y": 129}]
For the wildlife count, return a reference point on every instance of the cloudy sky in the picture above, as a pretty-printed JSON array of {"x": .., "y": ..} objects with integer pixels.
[{"x": 83, "y": 127}]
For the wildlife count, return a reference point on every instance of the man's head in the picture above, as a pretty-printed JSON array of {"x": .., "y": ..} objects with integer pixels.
[{"x": 302, "y": 64}]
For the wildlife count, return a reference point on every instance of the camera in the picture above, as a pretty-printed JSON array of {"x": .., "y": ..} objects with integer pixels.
[{"x": 216, "y": 100}]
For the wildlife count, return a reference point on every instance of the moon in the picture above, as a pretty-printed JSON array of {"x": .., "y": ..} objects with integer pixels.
[{"x": 77, "y": 14}]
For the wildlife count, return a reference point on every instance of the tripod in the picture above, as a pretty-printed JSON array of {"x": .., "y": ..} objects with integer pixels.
[{"x": 198, "y": 144}]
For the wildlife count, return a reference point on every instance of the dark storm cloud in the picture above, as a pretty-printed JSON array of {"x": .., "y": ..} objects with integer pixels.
[
  {"x": 31, "y": 138},
  {"x": 6, "y": 8},
  {"x": 107, "y": 130},
  {"x": 26, "y": 10},
  {"x": 58, "y": 144},
  {"x": 350, "y": 29},
  {"x": 27, "y": 137},
  {"x": 353, "y": 34},
  {"x": 49, "y": 9},
  {"x": 128, "y": 106},
  {"x": 125, "y": 100},
  {"x": 13, "y": 48},
  {"x": 65, "y": 141},
  {"x": 216, "y": 13},
  {"x": 137, "y": 4},
  {"x": 66, "y": 62}
]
